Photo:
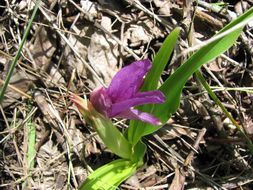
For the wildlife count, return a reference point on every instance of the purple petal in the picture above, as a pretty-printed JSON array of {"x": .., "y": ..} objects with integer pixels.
[
  {"x": 152, "y": 97},
  {"x": 126, "y": 83},
  {"x": 100, "y": 100},
  {"x": 156, "y": 94},
  {"x": 138, "y": 115}
]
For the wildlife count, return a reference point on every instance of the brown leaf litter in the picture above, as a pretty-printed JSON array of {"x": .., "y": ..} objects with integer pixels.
[{"x": 79, "y": 45}]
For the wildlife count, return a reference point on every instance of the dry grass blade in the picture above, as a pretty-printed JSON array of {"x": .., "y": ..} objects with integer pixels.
[
  {"x": 69, "y": 43},
  {"x": 71, "y": 46}
]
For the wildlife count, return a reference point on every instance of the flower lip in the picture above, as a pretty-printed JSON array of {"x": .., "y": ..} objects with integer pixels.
[
  {"x": 123, "y": 94},
  {"x": 151, "y": 97}
]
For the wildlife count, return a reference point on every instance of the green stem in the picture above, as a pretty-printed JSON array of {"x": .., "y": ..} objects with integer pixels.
[
  {"x": 16, "y": 58},
  {"x": 225, "y": 111}
]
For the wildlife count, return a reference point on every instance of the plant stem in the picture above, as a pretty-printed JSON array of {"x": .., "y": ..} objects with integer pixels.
[
  {"x": 16, "y": 58},
  {"x": 225, "y": 111}
]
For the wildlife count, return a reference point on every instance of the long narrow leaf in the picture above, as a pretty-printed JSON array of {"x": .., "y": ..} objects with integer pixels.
[
  {"x": 152, "y": 79},
  {"x": 160, "y": 61},
  {"x": 31, "y": 152},
  {"x": 173, "y": 86}
]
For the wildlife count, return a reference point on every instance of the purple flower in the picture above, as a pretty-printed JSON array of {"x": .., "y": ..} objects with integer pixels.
[{"x": 123, "y": 94}]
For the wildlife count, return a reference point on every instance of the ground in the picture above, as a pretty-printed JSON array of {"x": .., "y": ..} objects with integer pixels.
[{"x": 74, "y": 46}]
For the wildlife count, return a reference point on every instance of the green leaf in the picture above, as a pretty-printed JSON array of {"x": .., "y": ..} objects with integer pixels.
[
  {"x": 139, "y": 151},
  {"x": 152, "y": 79},
  {"x": 173, "y": 86},
  {"x": 109, "y": 176},
  {"x": 160, "y": 61}
]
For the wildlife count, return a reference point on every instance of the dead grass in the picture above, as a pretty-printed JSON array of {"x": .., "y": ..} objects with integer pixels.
[{"x": 79, "y": 45}]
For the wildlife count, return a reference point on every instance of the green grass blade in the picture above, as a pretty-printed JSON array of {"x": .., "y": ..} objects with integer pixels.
[
  {"x": 15, "y": 60},
  {"x": 31, "y": 152},
  {"x": 225, "y": 111}
]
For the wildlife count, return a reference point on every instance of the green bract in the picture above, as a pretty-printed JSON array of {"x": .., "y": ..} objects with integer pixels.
[{"x": 110, "y": 135}]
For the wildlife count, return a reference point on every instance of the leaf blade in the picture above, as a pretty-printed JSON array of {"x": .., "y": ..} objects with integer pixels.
[
  {"x": 109, "y": 176},
  {"x": 173, "y": 86},
  {"x": 152, "y": 79}
]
